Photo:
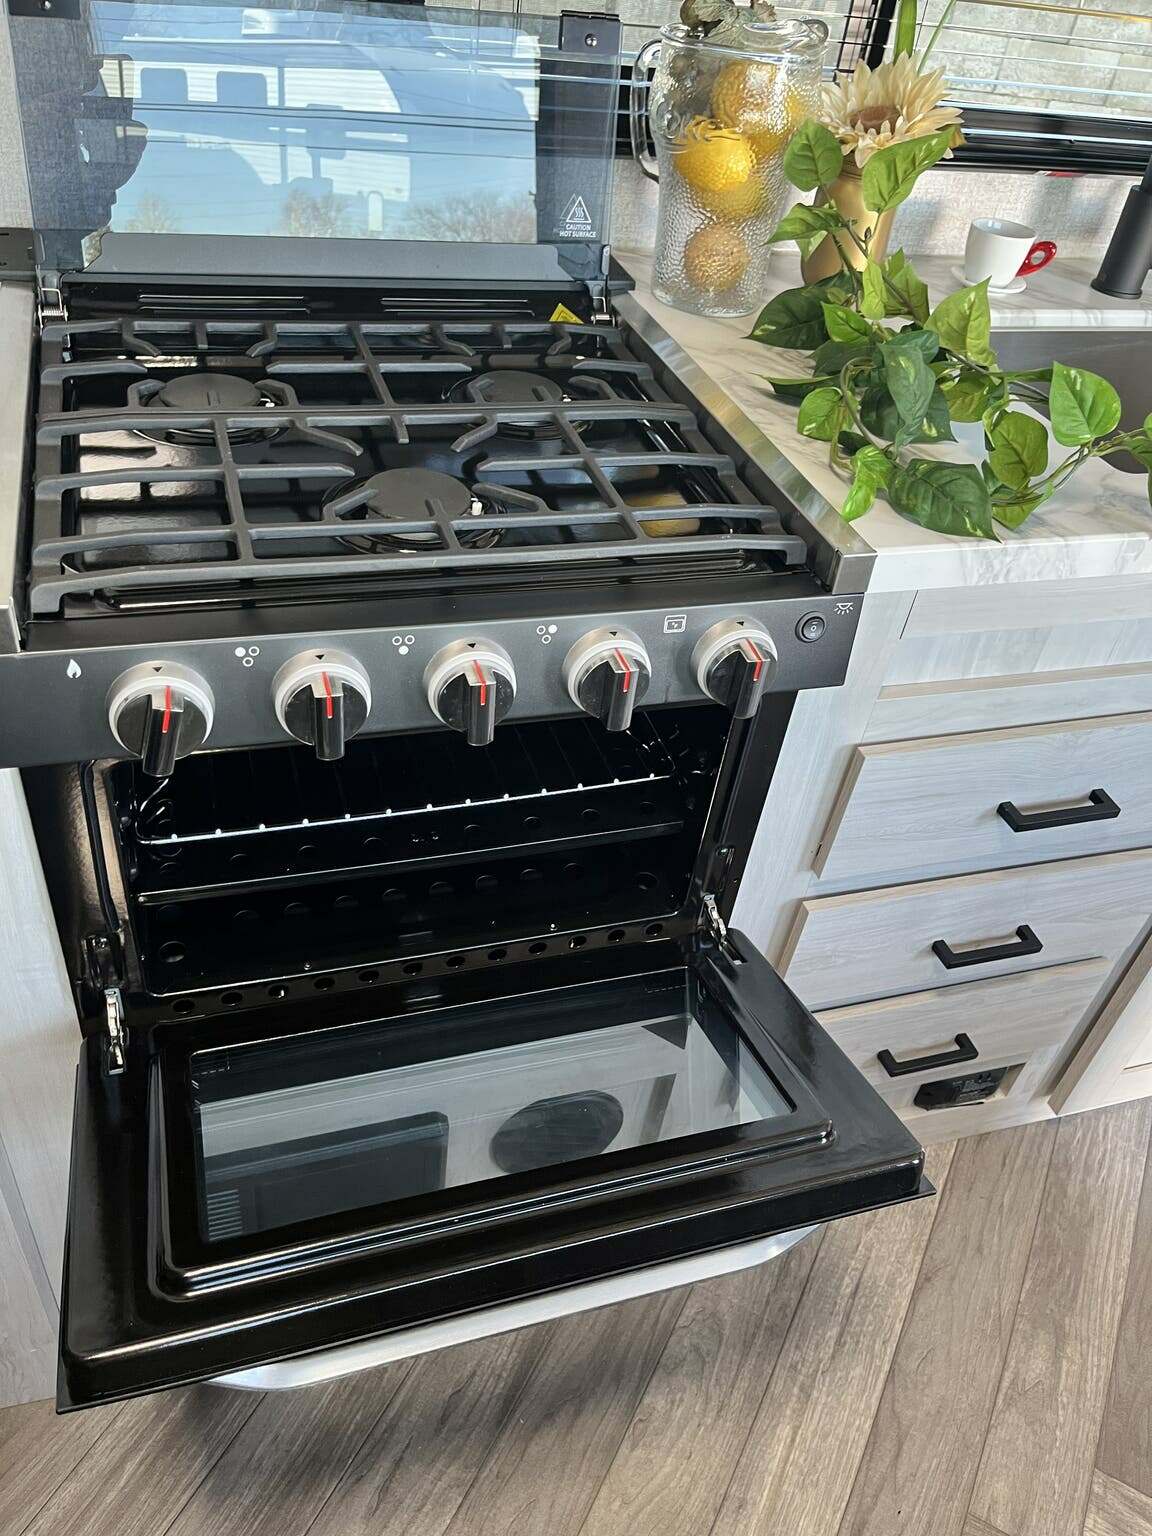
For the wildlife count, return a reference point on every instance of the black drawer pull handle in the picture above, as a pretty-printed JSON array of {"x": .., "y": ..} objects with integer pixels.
[
  {"x": 965, "y": 1051},
  {"x": 1100, "y": 807},
  {"x": 1026, "y": 944}
]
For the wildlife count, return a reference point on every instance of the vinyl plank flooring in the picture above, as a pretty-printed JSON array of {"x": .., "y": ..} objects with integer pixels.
[
  {"x": 548, "y": 1461},
  {"x": 796, "y": 1470},
  {"x": 673, "y": 1465},
  {"x": 299, "y": 1444},
  {"x": 917, "y": 1472},
  {"x": 1125, "y": 1450},
  {"x": 1036, "y": 1469},
  {"x": 424, "y": 1451},
  {"x": 1114, "y": 1509},
  {"x": 138, "y": 1475},
  {"x": 38, "y": 1451},
  {"x": 975, "y": 1527}
]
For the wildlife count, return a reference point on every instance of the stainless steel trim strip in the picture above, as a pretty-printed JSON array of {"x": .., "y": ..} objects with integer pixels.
[
  {"x": 17, "y": 328},
  {"x": 345, "y": 1359},
  {"x": 843, "y": 560}
]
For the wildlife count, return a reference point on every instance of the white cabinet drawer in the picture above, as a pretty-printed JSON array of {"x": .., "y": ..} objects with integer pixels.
[
  {"x": 933, "y": 806},
  {"x": 1021, "y": 1022},
  {"x": 846, "y": 949}
]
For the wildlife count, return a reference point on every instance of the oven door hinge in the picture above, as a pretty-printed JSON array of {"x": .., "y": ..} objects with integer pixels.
[
  {"x": 715, "y": 926},
  {"x": 101, "y": 952},
  {"x": 50, "y": 298},
  {"x": 116, "y": 1043}
]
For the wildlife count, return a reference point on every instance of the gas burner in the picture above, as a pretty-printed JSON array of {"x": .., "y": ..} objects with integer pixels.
[
  {"x": 205, "y": 390},
  {"x": 504, "y": 389},
  {"x": 412, "y": 495}
]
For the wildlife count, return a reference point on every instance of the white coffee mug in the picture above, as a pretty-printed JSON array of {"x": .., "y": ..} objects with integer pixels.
[{"x": 1001, "y": 251}]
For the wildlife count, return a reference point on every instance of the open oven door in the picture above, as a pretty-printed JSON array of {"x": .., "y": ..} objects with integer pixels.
[{"x": 360, "y": 1183}]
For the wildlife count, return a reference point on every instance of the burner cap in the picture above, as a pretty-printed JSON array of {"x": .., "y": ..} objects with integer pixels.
[
  {"x": 404, "y": 495},
  {"x": 407, "y": 493},
  {"x": 210, "y": 392},
  {"x": 508, "y": 387}
]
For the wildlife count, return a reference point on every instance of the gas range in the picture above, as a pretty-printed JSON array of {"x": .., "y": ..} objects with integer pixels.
[
  {"x": 398, "y": 654},
  {"x": 237, "y": 499}
]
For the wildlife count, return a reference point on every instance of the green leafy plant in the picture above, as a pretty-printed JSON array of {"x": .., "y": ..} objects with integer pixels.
[{"x": 890, "y": 373}]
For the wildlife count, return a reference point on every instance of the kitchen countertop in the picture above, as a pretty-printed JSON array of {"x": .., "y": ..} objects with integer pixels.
[{"x": 1099, "y": 525}]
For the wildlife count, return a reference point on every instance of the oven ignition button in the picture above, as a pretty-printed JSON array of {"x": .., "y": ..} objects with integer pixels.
[
  {"x": 734, "y": 662},
  {"x": 470, "y": 686},
  {"x": 159, "y": 712},
  {"x": 607, "y": 673},
  {"x": 322, "y": 698}
]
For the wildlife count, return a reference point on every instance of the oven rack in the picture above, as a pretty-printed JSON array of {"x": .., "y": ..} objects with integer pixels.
[
  {"x": 222, "y": 797},
  {"x": 408, "y": 924},
  {"x": 438, "y": 839}
]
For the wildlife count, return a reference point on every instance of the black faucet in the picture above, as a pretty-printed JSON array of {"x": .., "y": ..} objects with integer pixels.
[{"x": 1129, "y": 254}]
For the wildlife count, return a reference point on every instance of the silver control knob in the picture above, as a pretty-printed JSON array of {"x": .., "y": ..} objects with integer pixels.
[
  {"x": 323, "y": 699},
  {"x": 607, "y": 673},
  {"x": 160, "y": 712},
  {"x": 470, "y": 686},
  {"x": 734, "y": 662}
]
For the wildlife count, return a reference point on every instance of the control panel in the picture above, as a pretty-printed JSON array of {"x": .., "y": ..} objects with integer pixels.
[{"x": 321, "y": 689}]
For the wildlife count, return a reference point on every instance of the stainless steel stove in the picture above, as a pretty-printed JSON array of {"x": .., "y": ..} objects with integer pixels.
[{"x": 397, "y": 653}]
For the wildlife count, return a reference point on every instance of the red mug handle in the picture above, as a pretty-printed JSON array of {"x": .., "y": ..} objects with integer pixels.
[{"x": 1039, "y": 256}]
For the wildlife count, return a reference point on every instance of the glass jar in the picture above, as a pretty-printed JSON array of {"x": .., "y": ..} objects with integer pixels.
[{"x": 721, "y": 112}]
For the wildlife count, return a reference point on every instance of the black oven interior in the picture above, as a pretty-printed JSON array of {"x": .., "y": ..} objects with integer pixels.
[{"x": 252, "y": 878}]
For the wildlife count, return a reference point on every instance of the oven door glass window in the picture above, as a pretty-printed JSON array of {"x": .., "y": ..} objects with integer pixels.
[
  {"x": 261, "y": 1187},
  {"x": 286, "y": 1134}
]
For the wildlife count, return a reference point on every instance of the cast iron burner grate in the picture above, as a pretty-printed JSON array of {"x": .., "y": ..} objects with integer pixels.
[{"x": 211, "y": 454}]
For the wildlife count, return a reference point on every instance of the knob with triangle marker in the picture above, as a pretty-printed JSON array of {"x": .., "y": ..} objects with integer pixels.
[
  {"x": 323, "y": 699},
  {"x": 159, "y": 712},
  {"x": 470, "y": 686},
  {"x": 607, "y": 673},
  {"x": 734, "y": 663}
]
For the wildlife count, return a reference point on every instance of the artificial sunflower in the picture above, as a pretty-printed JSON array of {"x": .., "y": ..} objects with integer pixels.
[{"x": 873, "y": 108}]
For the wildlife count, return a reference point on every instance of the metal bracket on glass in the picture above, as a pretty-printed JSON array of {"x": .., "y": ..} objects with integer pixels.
[{"x": 58, "y": 10}]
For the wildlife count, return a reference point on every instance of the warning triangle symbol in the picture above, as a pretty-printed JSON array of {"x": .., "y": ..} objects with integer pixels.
[{"x": 577, "y": 212}]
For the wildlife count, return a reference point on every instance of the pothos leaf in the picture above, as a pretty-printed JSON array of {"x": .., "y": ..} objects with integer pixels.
[
  {"x": 795, "y": 318},
  {"x": 819, "y": 414},
  {"x": 1016, "y": 510},
  {"x": 1083, "y": 406},
  {"x": 870, "y": 472},
  {"x": 813, "y": 157},
  {"x": 948, "y": 498},
  {"x": 909, "y": 379},
  {"x": 963, "y": 322},
  {"x": 891, "y": 173},
  {"x": 872, "y": 298},
  {"x": 843, "y": 324},
  {"x": 970, "y": 394},
  {"x": 794, "y": 390},
  {"x": 1019, "y": 449},
  {"x": 806, "y": 225},
  {"x": 911, "y": 287}
]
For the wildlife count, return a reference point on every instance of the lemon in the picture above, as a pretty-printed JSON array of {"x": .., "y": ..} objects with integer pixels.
[
  {"x": 716, "y": 258},
  {"x": 745, "y": 95},
  {"x": 713, "y": 160},
  {"x": 664, "y": 527},
  {"x": 737, "y": 203}
]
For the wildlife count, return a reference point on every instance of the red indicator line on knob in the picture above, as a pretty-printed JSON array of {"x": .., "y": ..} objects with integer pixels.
[
  {"x": 483, "y": 681},
  {"x": 754, "y": 651},
  {"x": 623, "y": 660},
  {"x": 327, "y": 694},
  {"x": 167, "y": 721}
]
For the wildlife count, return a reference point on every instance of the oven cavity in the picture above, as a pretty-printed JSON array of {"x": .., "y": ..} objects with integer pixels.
[{"x": 256, "y": 877}]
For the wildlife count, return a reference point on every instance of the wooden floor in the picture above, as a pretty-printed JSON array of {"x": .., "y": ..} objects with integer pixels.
[{"x": 975, "y": 1365}]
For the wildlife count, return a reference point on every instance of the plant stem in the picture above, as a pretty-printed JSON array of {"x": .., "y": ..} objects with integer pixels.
[{"x": 945, "y": 17}]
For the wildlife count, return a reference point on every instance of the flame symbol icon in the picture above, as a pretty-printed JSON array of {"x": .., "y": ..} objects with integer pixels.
[{"x": 73, "y": 668}]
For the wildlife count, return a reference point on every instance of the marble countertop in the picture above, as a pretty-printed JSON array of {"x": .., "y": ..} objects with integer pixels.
[{"x": 1100, "y": 524}]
